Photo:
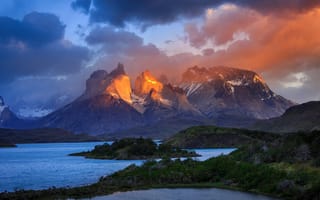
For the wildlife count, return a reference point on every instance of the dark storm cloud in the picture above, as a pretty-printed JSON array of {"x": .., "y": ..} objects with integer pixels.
[
  {"x": 143, "y": 12},
  {"x": 81, "y": 5},
  {"x": 120, "y": 42},
  {"x": 35, "y": 29},
  {"x": 35, "y": 46},
  {"x": 146, "y": 13},
  {"x": 108, "y": 35}
]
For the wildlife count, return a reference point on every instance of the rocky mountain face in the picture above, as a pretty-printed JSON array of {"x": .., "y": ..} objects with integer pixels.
[
  {"x": 7, "y": 117},
  {"x": 229, "y": 95},
  {"x": 162, "y": 101},
  {"x": 104, "y": 107},
  {"x": 303, "y": 117},
  {"x": 218, "y": 95},
  {"x": 110, "y": 104}
]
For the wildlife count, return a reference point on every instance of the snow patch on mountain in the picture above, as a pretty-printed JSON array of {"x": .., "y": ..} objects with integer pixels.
[
  {"x": 235, "y": 82},
  {"x": 2, "y": 109},
  {"x": 138, "y": 103},
  {"x": 165, "y": 101},
  {"x": 190, "y": 88},
  {"x": 28, "y": 112},
  {"x": 2, "y": 105}
]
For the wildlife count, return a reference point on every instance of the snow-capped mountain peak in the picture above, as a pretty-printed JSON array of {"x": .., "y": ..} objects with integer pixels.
[{"x": 217, "y": 89}]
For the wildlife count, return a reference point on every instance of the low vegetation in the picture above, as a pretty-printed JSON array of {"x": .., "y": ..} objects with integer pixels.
[
  {"x": 299, "y": 148},
  {"x": 135, "y": 149},
  {"x": 217, "y": 137},
  {"x": 5, "y": 144}
]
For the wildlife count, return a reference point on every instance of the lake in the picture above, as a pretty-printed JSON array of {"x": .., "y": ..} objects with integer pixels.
[
  {"x": 184, "y": 194},
  {"x": 40, "y": 166}
]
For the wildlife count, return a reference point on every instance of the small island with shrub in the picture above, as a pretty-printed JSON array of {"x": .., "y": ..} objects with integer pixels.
[
  {"x": 6, "y": 144},
  {"x": 135, "y": 149}
]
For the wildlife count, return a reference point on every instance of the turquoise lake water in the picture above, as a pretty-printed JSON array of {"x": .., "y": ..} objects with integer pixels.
[{"x": 40, "y": 166}]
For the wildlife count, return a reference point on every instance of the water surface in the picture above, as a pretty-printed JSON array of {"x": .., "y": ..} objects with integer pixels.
[
  {"x": 40, "y": 166},
  {"x": 184, "y": 194}
]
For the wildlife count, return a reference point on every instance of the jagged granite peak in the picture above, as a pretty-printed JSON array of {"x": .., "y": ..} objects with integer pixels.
[
  {"x": 118, "y": 71},
  {"x": 160, "y": 94},
  {"x": 116, "y": 83},
  {"x": 99, "y": 74},
  {"x": 96, "y": 84},
  {"x": 179, "y": 100},
  {"x": 105, "y": 106},
  {"x": 120, "y": 87},
  {"x": 171, "y": 102},
  {"x": 7, "y": 118},
  {"x": 145, "y": 82}
]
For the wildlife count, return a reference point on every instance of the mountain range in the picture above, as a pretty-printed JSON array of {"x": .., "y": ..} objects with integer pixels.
[
  {"x": 115, "y": 106},
  {"x": 303, "y": 117},
  {"x": 7, "y": 117}
]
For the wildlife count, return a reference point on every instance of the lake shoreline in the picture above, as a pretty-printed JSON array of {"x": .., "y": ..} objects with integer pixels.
[
  {"x": 219, "y": 186},
  {"x": 64, "y": 170},
  {"x": 58, "y": 191},
  {"x": 224, "y": 172},
  {"x": 108, "y": 185}
]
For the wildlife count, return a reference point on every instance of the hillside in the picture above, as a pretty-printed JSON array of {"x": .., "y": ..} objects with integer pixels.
[
  {"x": 212, "y": 136},
  {"x": 44, "y": 135},
  {"x": 303, "y": 117},
  {"x": 289, "y": 148}
]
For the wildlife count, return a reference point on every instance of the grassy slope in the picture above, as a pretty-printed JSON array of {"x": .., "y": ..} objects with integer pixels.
[
  {"x": 302, "y": 117},
  {"x": 212, "y": 136}
]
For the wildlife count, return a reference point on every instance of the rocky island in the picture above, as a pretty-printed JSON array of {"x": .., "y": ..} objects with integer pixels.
[
  {"x": 135, "y": 149},
  {"x": 5, "y": 144}
]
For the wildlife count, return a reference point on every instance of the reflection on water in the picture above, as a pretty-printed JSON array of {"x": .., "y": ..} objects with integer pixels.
[{"x": 184, "y": 194}]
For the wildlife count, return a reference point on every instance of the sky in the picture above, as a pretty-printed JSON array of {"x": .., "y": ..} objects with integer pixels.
[{"x": 49, "y": 48}]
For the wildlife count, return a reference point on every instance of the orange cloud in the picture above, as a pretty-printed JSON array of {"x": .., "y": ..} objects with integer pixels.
[
  {"x": 290, "y": 42},
  {"x": 278, "y": 45}
]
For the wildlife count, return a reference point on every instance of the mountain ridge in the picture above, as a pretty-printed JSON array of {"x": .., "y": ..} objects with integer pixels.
[
  {"x": 220, "y": 96},
  {"x": 303, "y": 117}
]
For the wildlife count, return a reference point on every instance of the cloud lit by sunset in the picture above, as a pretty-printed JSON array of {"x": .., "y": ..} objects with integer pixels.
[{"x": 277, "y": 39}]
